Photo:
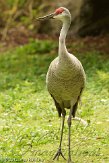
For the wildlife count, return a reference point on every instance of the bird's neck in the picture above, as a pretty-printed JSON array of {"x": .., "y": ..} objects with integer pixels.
[{"x": 62, "y": 37}]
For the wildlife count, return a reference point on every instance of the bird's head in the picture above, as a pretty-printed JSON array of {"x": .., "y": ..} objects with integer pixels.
[{"x": 61, "y": 13}]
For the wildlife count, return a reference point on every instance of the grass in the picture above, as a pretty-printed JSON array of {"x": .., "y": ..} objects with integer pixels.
[{"x": 29, "y": 124}]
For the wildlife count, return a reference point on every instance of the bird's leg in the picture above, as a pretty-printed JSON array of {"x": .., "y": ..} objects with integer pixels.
[
  {"x": 59, "y": 152},
  {"x": 69, "y": 127}
]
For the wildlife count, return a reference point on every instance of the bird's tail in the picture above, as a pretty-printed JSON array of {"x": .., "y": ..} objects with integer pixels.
[
  {"x": 76, "y": 104},
  {"x": 80, "y": 98}
]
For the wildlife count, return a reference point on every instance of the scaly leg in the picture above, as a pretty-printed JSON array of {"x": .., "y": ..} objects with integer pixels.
[
  {"x": 69, "y": 127},
  {"x": 59, "y": 152}
]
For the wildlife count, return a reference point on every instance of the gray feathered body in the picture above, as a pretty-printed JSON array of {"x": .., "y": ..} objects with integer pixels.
[
  {"x": 65, "y": 80},
  {"x": 66, "y": 77}
]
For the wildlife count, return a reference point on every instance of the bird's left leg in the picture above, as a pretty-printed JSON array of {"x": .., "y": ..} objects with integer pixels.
[
  {"x": 69, "y": 127},
  {"x": 59, "y": 152}
]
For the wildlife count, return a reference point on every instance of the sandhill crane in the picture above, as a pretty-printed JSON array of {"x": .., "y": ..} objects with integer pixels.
[{"x": 65, "y": 77}]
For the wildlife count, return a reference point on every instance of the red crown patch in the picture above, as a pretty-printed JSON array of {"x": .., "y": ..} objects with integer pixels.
[{"x": 59, "y": 11}]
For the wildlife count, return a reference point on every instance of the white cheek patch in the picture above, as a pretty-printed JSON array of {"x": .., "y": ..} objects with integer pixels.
[{"x": 60, "y": 17}]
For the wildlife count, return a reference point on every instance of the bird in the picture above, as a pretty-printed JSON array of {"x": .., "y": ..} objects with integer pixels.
[{"x": 65, "y": 78}]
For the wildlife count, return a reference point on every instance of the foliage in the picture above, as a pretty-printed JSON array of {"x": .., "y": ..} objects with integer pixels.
[
  {"x": 29, "y": 125},
  {"x": 19, "y": 13}
]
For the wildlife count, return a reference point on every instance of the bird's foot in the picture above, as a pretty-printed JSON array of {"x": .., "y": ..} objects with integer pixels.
[
  {"x": 58, "y": 153},
  {"x": 70, "y": 161}
]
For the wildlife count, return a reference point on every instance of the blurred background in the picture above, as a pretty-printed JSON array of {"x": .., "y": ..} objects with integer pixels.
[{"x": 18, "y": 24}]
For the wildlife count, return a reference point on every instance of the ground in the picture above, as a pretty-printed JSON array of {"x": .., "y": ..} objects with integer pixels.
[{"x": 29, "y": 123}]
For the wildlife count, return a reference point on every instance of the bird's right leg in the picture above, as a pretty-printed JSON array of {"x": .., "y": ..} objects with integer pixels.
[{"x": 59, "y": 152}]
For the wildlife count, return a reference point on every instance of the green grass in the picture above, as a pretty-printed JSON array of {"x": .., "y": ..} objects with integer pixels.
[{"x": 29, "y": 124}]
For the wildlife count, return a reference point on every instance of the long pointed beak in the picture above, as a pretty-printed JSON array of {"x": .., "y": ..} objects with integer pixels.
[{"x": 50, "y": 16}]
